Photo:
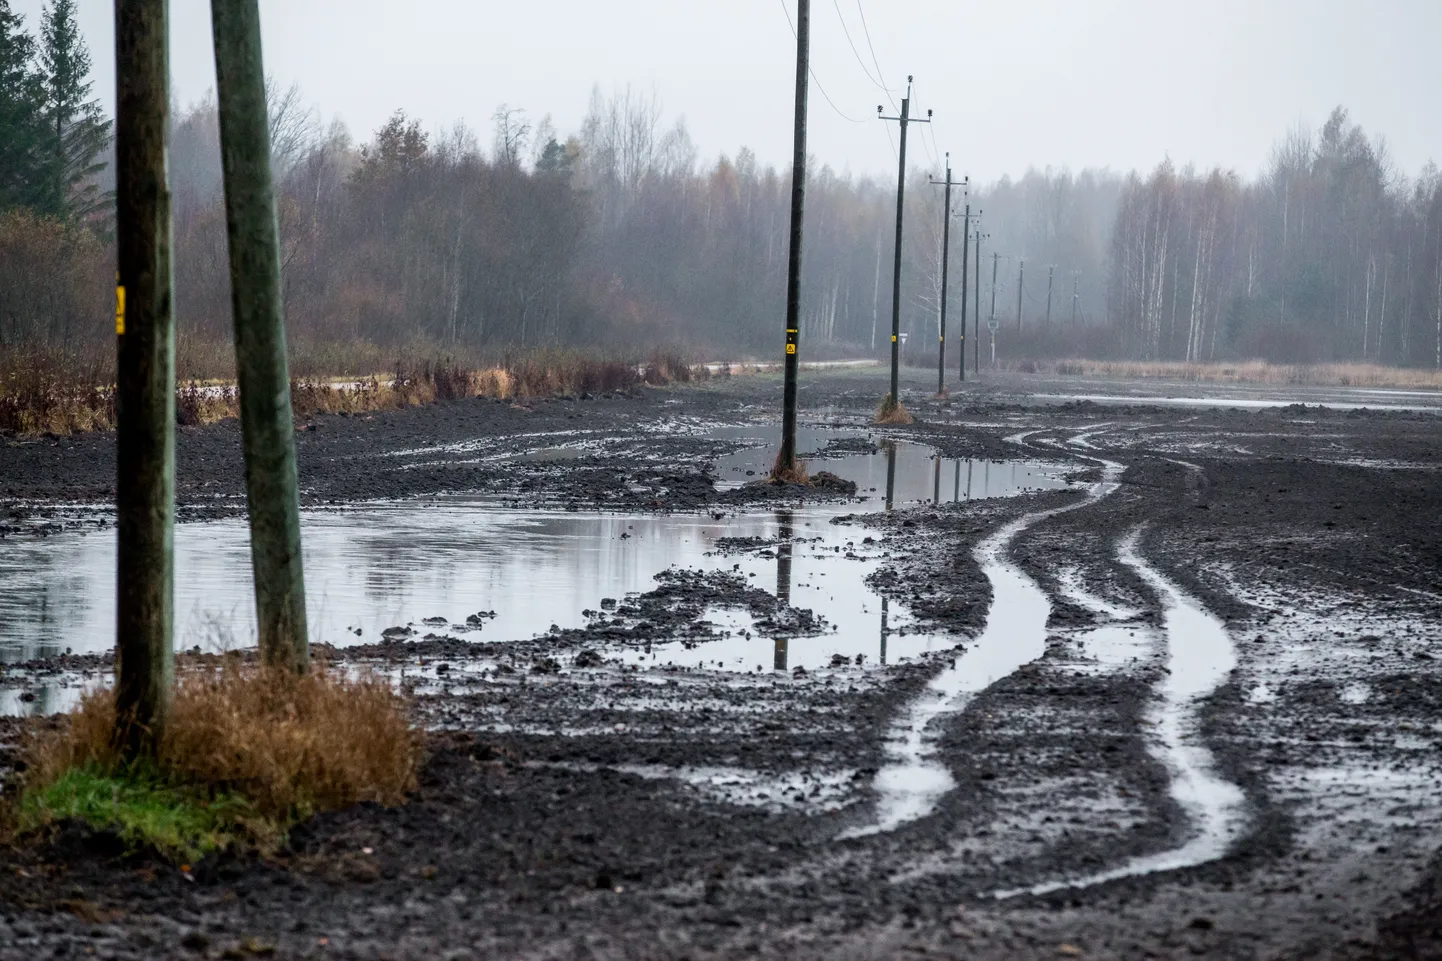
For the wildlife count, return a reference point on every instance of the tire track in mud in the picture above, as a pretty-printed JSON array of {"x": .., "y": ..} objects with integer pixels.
[
  {"x": 1200, "y": 658},
  {"x": 1014, "y": 635}
]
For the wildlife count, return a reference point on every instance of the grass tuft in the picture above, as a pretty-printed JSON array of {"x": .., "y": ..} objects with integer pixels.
[
  {"x": 891, "y": 411},
  {"x": 795, "y": 473},
  {"x": 247, "y": 751}
]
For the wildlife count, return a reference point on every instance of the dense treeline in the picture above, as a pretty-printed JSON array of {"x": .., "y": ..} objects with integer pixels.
[
  {"x": 620, "y": 235},
  {"x": 1330, "y": 255}
]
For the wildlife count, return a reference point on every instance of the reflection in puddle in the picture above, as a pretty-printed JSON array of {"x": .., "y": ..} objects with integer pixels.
[
  {"x": 431, "y": 565},
  {"x": 820, "y": 567},
  {"x": 912, "y": 472}
]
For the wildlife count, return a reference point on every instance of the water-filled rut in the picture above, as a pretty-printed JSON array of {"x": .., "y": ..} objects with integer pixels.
[
  {"x": 914, "y": 779},
  {"x": 1199, "y": 657}
]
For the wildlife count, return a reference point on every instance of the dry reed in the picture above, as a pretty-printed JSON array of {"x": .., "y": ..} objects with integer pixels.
[{"x": 59, "y": 394}]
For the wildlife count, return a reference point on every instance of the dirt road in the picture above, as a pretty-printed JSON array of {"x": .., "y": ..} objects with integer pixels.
[{"x": 1188, "y": 703}]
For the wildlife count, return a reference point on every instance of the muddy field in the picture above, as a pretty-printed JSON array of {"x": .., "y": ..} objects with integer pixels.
[{"x": 1169, "y": 688}]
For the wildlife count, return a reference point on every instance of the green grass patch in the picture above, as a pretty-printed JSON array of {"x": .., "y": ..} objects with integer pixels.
[{"x": 144, "y": 811}]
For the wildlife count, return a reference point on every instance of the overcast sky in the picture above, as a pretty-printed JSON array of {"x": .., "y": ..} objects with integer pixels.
[{"x": 1014, "y": 83}]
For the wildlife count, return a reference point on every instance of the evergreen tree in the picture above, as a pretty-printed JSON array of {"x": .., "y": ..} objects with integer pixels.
[
  {"x": 76, "y": 129},
  {"x": 22, "y": 100}
]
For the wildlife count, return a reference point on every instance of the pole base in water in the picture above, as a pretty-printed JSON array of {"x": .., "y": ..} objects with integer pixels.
[
  {"x": 892, "y": 412},
  {"x": 792, "y": 473}
]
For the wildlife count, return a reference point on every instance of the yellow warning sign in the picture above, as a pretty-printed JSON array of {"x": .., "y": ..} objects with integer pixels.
[
  {"x": 119, "y": 308},
  {"x": 893, "y": 338},
  {"x": 790, "y": 348}
]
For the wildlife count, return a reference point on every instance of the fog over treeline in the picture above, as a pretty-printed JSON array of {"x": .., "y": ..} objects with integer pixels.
[{"x": 619, "y": 234}]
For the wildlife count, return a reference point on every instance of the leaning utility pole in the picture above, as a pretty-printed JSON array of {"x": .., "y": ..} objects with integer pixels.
[
  {"x": 992, "y": 323},
  {"x": 945, "y": 263},
  {"x": 267, "y": 427},
  {"x": 1020, "y": 283},
  {"x": 965, "y": 251},
  {"x": 893, "y": 399},
  {"x": 786, "y": 460},
  {"x": 1049, "y": 272},
  {"x": 145, "y": 379}
]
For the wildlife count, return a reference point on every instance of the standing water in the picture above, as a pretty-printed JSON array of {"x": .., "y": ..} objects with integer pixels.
[{"x": 429, "y": 565}]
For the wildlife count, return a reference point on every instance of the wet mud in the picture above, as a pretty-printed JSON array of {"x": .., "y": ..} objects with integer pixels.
[{"x": 1211, "y": 728}]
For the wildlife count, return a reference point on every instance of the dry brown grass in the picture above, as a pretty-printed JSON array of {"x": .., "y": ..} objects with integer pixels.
[
  {"x": 794, "y": 473},
  {"x": 290, "y": 745},
  {"x": 54, "y": 391},
  {"x": 1241, "y": 372},
  {"x": 45, "y": 392},
  {"x": 892, "y": 411}
]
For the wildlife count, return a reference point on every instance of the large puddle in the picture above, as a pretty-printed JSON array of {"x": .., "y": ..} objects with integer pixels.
[{"x": 431, "y": 565}]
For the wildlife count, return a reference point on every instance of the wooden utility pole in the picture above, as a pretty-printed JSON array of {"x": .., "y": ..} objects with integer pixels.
[
  {"x": 145, "y": 373},
  {"x": 267, "y": 428},
  {"x": 976, "y": 325},
  {"x": 894, "y": 398},
  {"x": 786, "y": 460},
  {"x": 1049, "y": 272},
  {"x": 945, "y": 263},
  {"x": 992, "y": 323},
  {"x": 965, "y": 252},
  {"x": 1020, "y": 284}
]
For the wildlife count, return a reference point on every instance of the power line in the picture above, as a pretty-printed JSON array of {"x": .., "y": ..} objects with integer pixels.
[
  {"x": 855, "y": 52},
  {"x": 812, "y": 71},
  {"x": 874, "y": 61},
  {"x": 931, "y": 129},
  {"x": 930, "y": 152}
]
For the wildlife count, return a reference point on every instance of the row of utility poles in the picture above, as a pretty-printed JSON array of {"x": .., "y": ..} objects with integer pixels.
[
  {"x": 145, "y": 334},
  {"x": 786, "y": 466}
]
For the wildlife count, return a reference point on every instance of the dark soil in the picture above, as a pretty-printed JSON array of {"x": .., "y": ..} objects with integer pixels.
[{"x": 572, "y": 807}]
